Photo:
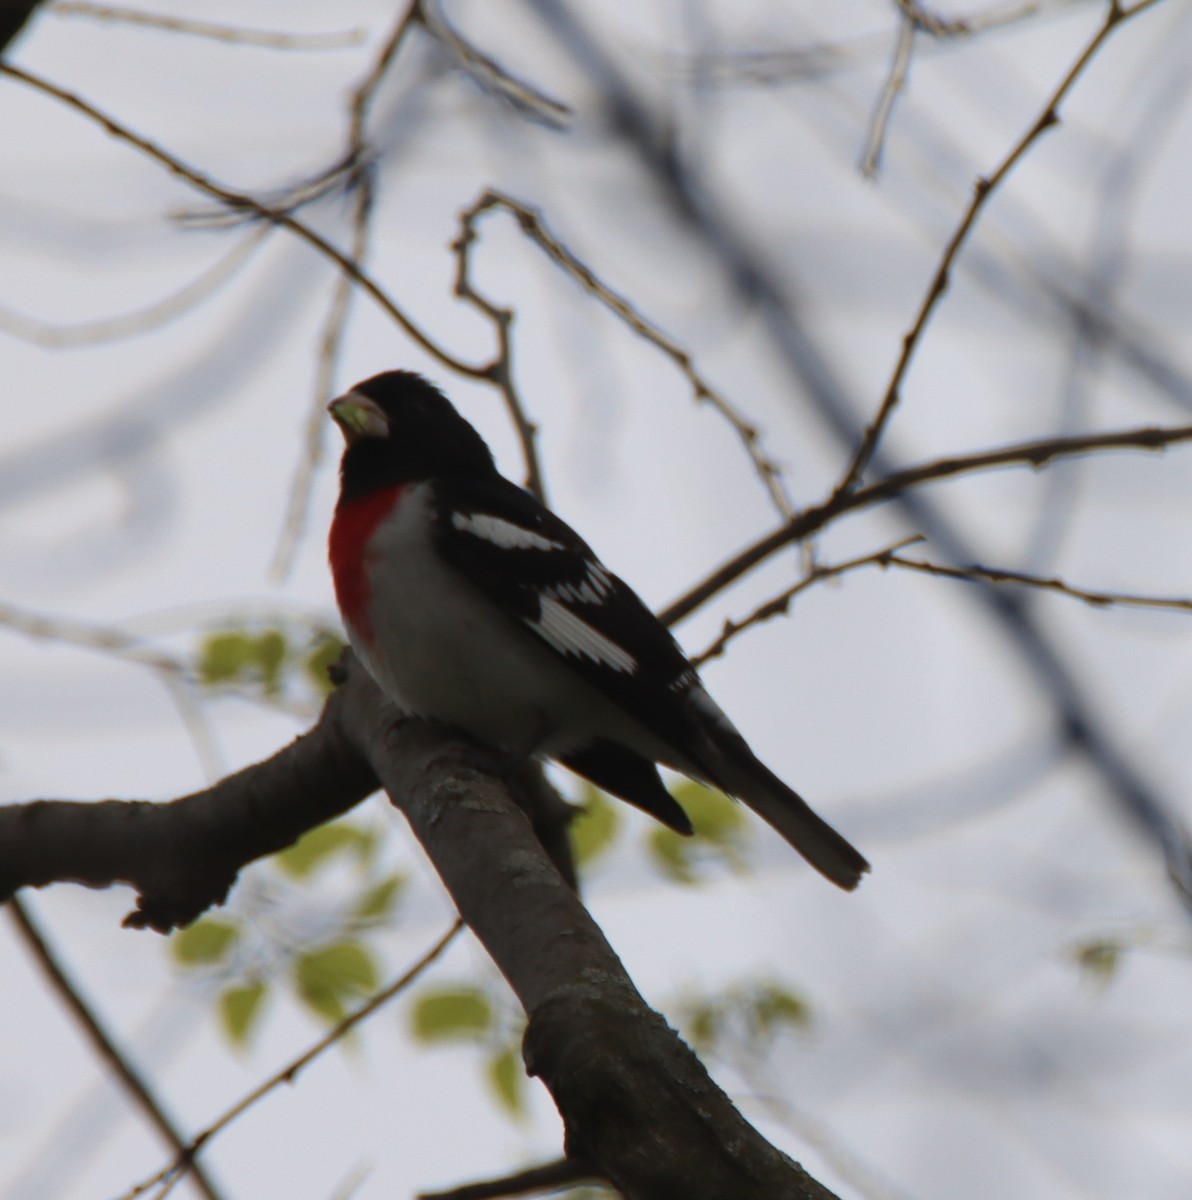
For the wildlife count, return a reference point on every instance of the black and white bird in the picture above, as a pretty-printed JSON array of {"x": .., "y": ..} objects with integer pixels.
[{"x": 472, "y": 604}]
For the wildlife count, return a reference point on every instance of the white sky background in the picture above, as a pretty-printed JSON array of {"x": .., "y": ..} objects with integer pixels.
[{"x": 957, "y": 1051}]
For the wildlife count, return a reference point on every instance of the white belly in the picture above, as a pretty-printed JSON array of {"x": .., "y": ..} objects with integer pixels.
[{"x": 443, "y": 651}]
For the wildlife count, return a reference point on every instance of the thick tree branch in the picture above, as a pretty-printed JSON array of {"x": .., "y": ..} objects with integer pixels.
[
  {"x": 638, "y": 1106},
  {"x": 182, "y": 857}
]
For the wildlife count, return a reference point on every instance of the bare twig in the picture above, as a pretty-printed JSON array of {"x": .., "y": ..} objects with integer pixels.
[
  {"x": 235, "y": 34},
  {"x": 976, "y": 573},
  {"x": 334, "y": 327},
  {"x": 118, "y": 1062},
  {"x": 532, "y": 225},
  {"x": 366, "y": 91},
  {"x": 185, "y": 1160},
  {"x": 895, "y": 81},
  {"x": 502, "y": 365},
  {"x": 489, "y": 73},
  {"x": 779, "y": 605},
  {"x": 811, "y": 520},
  {"x": 983, "y": 189},
  {"x": 242, "y": 202}
]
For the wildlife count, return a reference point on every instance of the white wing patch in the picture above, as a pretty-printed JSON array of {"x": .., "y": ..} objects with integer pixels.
[
  {"x": 571, "y": 635},
  {"x": 508, "y": 535},
  {"x": 594, "y": 589}
]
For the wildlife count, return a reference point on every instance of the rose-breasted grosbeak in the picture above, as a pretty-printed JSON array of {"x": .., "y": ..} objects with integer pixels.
[{"x": 472, "y": 604}]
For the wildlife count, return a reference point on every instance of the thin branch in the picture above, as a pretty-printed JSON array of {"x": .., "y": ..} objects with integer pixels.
[
  {"x": 895, "y": 82},
  {"x": 176, "y": 673},
  {"x": 816, "y": 59},
  {"x": 982, "y": 191},
  {"x": 235, "y": 34},
  {"x": 502, "y": 321},
  {"x": 547, "y": 1177},
  {"x": 118, "y": 1063},
  {"x": 975, "y": 573},
  {"x": 811, "y": 520},
  {"x": 361, "y": 176},
  {"x": 184, "y": 1161},
  {"x": 779, "y": 605},
  {"x": 490, "y": 74},
  {"x": 330, "y": 345},
  {"x": 532, "y": 225},
  {"x": 241, "y": 201},
  {"x": 366, "y": 91}
]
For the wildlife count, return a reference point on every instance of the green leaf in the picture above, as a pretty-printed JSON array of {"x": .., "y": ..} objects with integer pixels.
[
  {"x": 314, "y": 848},
  {"x": 225, "y": 656},
  {"x": 704, "y": 1020},
  {"x": 379, "y": 900},
  {"x": 321, "y": 659},
  {"x": 451, "y": 1014},
  {"x": 326, "y": 978},
  {"x": 203, "y": 943},
  {"x": 715, "y": 816},
  {"x": 595, "y": 827},
  {"x": 239, "y": 1009},
  {"x": 1100, "y": 958},
  {"x": 720, "y": 831},
  {"x": 672, "y": 855},
  {"x": 507, "y": 1075},
  {"x": 776, "y": 1008},
  {"x": 270, "y": 652}
]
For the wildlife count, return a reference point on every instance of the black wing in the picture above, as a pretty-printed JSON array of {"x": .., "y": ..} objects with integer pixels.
[{"x": 545, "y": 576}]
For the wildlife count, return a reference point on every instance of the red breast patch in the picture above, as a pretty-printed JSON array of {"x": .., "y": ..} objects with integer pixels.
[{"x": 352, "y": 528}]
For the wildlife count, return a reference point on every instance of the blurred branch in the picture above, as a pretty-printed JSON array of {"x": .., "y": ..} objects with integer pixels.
[
  {"x": 768, "y": 67},
  {"x": 177, "y": 674},
  {"x": 184, "y": 1161},
  {"x": 362, "y": 179},
  {"x": 151, "y": 316},
  {"x": 532, "y": 225},
  {"x": 330, "y": 345},
  {"x": 118, "y": 1063},
  {"x": 1116, "y": 16},
  {"x": 234, "y": 34},
  {"x": 547, "y": 1177},
  {"x": 895, "y": 81},
  {"x": 242, "y": 202}
]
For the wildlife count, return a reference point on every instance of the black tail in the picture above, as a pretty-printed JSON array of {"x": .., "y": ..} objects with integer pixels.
[{"x": 825, "y": 849}]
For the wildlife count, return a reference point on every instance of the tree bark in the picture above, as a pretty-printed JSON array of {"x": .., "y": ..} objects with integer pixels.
[{"x": 637, "y": 1104}]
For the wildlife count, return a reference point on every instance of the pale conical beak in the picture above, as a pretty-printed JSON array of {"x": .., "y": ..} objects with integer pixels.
[{"x": 358, "y": 417}]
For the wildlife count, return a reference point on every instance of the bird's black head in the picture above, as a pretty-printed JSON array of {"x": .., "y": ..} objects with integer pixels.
[{"x": 399, "y": 429}]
